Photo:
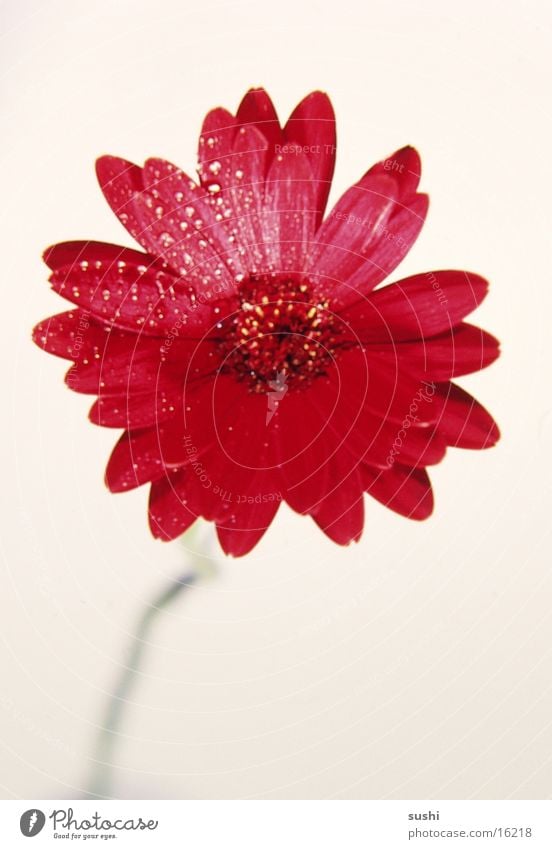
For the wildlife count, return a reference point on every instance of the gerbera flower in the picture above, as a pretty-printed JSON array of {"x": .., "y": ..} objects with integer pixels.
[{"x": 246, "y": 349}]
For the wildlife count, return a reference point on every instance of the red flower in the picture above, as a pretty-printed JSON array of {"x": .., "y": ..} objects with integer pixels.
[{"x": 247, "y": 352}]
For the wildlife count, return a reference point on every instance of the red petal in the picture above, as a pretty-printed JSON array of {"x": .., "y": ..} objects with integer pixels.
[
  {"x": 133, "y": 297},
  {"x": 305, "y": 453},
  {"x": 169, "y": 517},
  {"x": 216, "y": 140},
  {"x": 395, "y": 240},
  {"x": 345, "y": 238},
  {"x": 145, "y": 454},
  {"x": 149, "y": 392},
  {"x": 135, "y": 411},
  {"x": 243, "y": 509},
  {"x": 73, "y": 253},
  {"x": 405, "y": 167},
  {"x": 250, "y": 514},
  {"x": 384, "y": 442},
  {"x": 239, "y": 419},
  {"x": 406, "y": 491},
  {"x": 139, "y": 379},
  {"x": 417, "y": 307},
  {"x": 238, "y": 201},
  {"x": 341, "y": 513},
  {"x": 373, "y": 435},
  {"x": 463, "y": 422},
  {"x": 193, "y": 496},
  {"x": 312, "y": 125},
  {"x": 214, "y": 412},
  {"x": 290, "y": 210},
  {"x": 463, "y": 350},
  {"x": 140, "y": 364},
  {"x": 73, "y": 335},
  {"x": 257, "y": 108},
  {"x": 382, "y": 388},
  {"x": 135, "y": 460},
  {"x": 182, "y": 239},
  {"x": 120, "y": 180},
  {"x": 192, "y": 216},
  {"x": 167, "y": 231}
]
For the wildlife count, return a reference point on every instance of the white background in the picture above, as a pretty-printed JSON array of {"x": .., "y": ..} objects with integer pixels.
[{"x": 416, "y": 664}]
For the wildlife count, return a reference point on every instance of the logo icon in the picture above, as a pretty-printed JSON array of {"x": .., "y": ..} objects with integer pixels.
[
  {"x": 32, "y": 822},
  {"x": 279, "y": 389}
]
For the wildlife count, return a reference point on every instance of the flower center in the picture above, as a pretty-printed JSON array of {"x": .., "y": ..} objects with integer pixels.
[{"x": 279, "y": 331}]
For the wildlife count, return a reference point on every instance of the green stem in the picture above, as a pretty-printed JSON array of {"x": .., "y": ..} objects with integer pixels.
[{"x": 101, "y": 780}]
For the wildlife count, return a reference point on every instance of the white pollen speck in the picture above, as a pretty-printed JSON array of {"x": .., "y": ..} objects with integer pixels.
[{"x": 166, "y": 240}]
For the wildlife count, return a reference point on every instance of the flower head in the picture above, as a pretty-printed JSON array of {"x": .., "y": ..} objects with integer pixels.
[{"x": 248, "y": 351}]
